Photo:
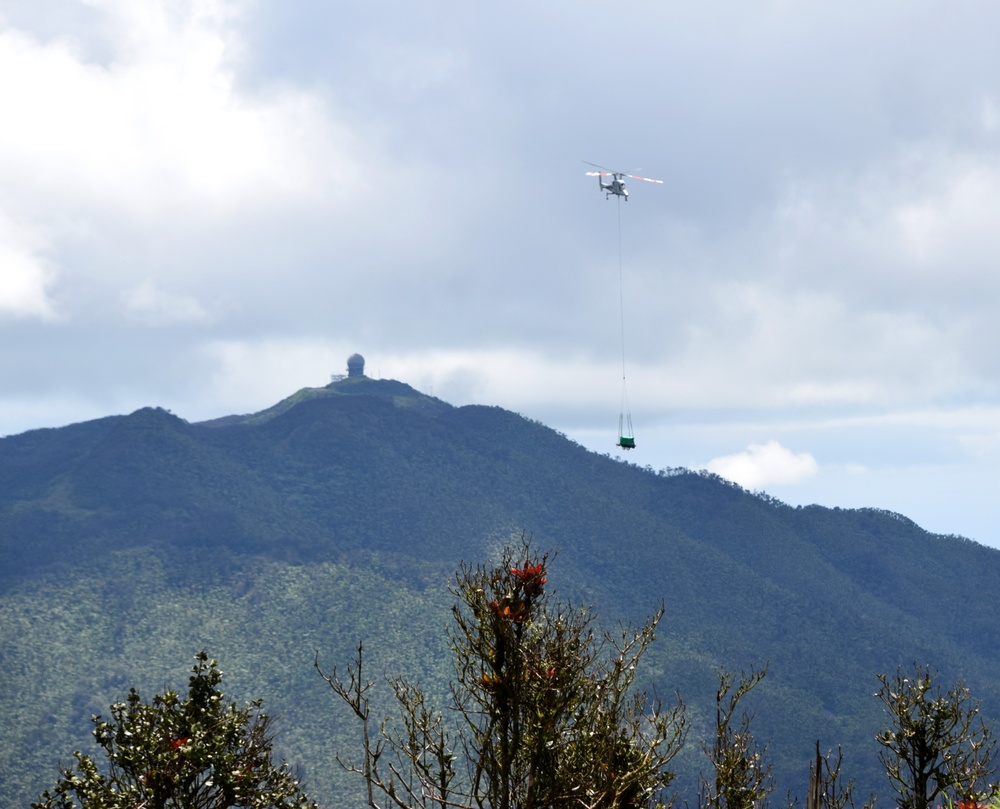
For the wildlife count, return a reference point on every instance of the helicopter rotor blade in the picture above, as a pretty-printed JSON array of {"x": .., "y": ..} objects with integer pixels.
[{"x": 606, "y": 172}]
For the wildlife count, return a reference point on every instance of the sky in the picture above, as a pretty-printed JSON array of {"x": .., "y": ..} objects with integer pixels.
[{"x": 206, "y": 205}]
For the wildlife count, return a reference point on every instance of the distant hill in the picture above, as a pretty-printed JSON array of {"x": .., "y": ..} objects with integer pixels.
[{"x": 131, "y": 542}]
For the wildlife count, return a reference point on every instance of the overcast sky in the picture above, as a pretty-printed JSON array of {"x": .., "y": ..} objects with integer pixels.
[{"x": 206, "y": 205}]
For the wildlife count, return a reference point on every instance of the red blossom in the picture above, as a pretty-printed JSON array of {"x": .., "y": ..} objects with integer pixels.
[
  {"x": 532, "y": 578},
  {"x": 530, "y": 572},
  {"x": 177, "y": 744}
]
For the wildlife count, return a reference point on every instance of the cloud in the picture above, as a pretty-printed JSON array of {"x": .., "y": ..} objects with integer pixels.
[
  {"x": 139, "y": 147},
  {"x": 153, "y": 183},
  {"x": 864, "y": 288},
  {"x": 949, "y": 228},
  {"x": 153, "y": 306},
  {"x": 266, "y": 369},
  {"x": 24, "y": 276},
  {"x": 765, "y": 464},
  {"x": 250, "y": 375},
  {"x": 161, "y": 121}
]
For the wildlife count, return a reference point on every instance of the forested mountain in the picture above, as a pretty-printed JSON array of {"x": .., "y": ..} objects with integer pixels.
[{"x": 132, "y": 542}]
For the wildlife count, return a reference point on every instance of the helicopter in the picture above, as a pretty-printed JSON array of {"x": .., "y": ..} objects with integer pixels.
[{"x": 616, "y": 185}]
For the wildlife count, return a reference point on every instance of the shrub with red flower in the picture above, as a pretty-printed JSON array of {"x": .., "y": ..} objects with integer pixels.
[{"x": 540, "y": 714}]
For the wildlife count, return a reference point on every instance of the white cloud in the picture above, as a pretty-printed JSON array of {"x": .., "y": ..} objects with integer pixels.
[
  {"x": 866, "y": 288},
  {"x": 152, "y": 159},
  {"x": 162, "y": 122},
  {"x": 912, "y": 228},
  {"x": 24, "y": 276},
  {"x": 250, "y": 375},
  {"x": 151, "y": 305},
  {"x": 262, "y": 369},
  {"x": 765, "y": 464},
  {"x": 139, "y": 152},
  {"x": 951, "y": 226}
]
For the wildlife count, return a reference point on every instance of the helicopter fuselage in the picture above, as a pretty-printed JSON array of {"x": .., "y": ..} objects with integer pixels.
[{"x": 615, "y": 186}]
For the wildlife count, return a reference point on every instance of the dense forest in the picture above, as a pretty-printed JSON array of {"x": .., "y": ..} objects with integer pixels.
[
  {"x": 542, "y": 712},
  {"x": 341, "y": 514}
]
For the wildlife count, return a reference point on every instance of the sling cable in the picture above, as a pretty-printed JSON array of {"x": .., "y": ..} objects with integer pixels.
[
  {"x": 615, "y": 186},
  {"x": 626, "y": 436}
]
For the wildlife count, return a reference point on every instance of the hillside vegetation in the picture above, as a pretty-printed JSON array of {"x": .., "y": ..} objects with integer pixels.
[{"x": 132, "y": 542}]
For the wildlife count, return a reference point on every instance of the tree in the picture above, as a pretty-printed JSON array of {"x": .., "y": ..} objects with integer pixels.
[
  {"x": 174, "y": 753},
  {"x": 543, "y": 717},
  {"x": 935, "y": 742},
  {"x": 741, "y": 773},
  {"x": 827, "y": 788}
]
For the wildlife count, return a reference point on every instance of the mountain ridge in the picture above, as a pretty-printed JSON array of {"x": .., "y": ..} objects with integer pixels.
[{"x": 367, "y": 493}]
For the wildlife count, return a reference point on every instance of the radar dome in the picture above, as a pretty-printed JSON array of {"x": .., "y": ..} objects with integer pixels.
[{"x": 355, "y": 365}]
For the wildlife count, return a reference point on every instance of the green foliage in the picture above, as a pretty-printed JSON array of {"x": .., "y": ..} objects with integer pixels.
[
  {"x": 71, "y": 646},
  {"x": 935, "y": 742},
  {"x": 544, "y": 718},
  {"x": 193, "y": 753}
]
